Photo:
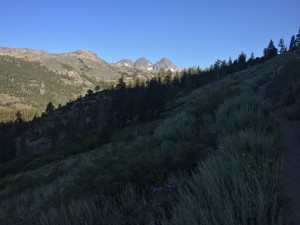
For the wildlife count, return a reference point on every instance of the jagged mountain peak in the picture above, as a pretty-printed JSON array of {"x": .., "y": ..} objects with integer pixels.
[
  {"x": 164, "y": 64},
  {"x": 143, "y": 63},
  {"x": 142, "y": 58}
]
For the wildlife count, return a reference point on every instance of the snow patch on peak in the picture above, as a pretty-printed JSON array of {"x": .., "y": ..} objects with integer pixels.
[{"x": 144, "y": 64}]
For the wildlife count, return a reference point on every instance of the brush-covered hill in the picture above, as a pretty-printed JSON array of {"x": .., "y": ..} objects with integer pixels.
[
  {"x": 30, "y": 86},
  {"x": 30, "y": 79},
  {"x": 82, "y": 65},
  {"x": 207, "y": 155}
]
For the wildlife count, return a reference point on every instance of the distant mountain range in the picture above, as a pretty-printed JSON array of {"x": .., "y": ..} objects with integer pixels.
[
  {"x": 144, "y": 64},
  {"x": 83, "y": 66},
  {"x": 29, "y": 79}
]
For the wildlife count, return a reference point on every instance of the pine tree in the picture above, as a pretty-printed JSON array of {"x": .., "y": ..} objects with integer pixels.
[
  {"x": 19, "y": 117},
  {"x": 121, "y": 84},
  {"x": 282, "y": 46},
  {"x": 49, "y": 108},
  {"x": 168, "y": 77},
  {"x": 241, "y": 61},
  {"x": 242, "y": 58},
  {"x": 270, "y": 51},
  {"x": 229, "y": 61},
  {"x": 217, "y": 68},
  {"x": 297, "y": 41},
  {"x": 292, "y": 43},
  {"x": 250, "y": 61}
]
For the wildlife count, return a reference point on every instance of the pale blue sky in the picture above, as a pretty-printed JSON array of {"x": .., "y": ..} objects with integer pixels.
[{"x": 189, "y": 32}]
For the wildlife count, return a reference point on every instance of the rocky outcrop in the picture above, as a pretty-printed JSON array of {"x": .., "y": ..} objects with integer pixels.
[{"x": 125, "y": 63}]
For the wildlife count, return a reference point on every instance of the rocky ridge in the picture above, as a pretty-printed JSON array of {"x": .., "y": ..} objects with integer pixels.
[
  {"x": 82, "y": 65},
  {"x": 144, "y": 64}
]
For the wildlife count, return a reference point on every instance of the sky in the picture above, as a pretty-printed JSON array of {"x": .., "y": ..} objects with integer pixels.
[{"x": 188, "y": 32}]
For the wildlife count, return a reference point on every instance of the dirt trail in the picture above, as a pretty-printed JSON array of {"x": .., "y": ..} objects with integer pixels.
[{"x": 290, "y": 133}]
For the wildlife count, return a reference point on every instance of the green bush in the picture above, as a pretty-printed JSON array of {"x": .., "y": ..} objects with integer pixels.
[
  {"x": 179, "y": 128},
  {"x": 129, "y": 209},
  {"x": 242, "y": 112},
  {"x": 240, "y": 185},
  {"x": 285, "y": 85}
]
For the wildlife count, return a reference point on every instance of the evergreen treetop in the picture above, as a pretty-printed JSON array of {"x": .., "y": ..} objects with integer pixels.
[
  {"x": 282, "y": 46},
  {"x": 271, "y": 51},
  {"x": 292, "y": 43},
  {"x": 49, "y": 108}
]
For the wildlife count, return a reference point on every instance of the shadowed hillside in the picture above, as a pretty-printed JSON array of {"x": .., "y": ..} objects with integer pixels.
[{"x": 210, "y": 149}]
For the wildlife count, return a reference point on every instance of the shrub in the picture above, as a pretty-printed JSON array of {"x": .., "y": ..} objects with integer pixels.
[
  {"x": 178, "y": 128},
  {"x": 286, "y": 82},
  {"x": 240, "y": 113},
  {"x": 241, "y": 184},
  {"x": 128, "y": 209}
]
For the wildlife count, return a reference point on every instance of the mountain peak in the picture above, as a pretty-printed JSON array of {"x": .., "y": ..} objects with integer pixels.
[
  {"x": 85, "y": 54},
  {"x": 143, "y": 64},
  {"x": 142, "y": 58},
  {"x": 164, "y": 64}
]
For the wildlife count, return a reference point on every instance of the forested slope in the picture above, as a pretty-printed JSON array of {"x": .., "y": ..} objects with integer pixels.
[
  {"x": 29, "y": 86},
  {"x": 211, "y": 156}
]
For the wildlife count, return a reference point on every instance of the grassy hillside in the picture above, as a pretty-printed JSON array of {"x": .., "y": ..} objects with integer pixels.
[{"x": 212, "y": 158}]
